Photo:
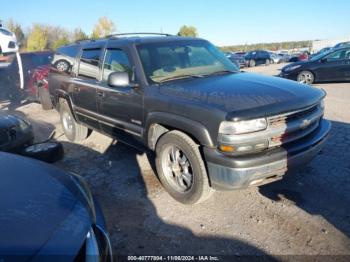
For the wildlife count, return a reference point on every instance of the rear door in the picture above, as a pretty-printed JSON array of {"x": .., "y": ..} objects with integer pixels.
[
  {"x": 120, "y": 108},
  {"x": 83, "y": 86}
]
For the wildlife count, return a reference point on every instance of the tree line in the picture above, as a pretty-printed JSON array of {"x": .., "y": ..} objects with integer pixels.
[
  {"x": 268, "y": 46},
  {"x": 47, "y": 37}
]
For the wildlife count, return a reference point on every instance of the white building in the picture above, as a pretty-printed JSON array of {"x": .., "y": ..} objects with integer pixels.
[{"x": 319, "y": 44}]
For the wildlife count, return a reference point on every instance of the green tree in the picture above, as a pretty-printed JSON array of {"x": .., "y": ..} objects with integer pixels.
[
  {"x": 103, "y": 28},
  {"x": 17, "y": 30},
  {"x": 190, "y": 31},
  {"x": 37, "y": 38},
  {"x": 79, "y": 34}
]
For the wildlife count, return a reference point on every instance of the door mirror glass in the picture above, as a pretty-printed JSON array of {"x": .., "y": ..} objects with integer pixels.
[{"x": 118, "y": 79}]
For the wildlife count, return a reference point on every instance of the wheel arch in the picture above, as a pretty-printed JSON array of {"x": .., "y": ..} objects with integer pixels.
[
  {"x": 63, "y": 95},
  {"x": 159, "y": 123}
]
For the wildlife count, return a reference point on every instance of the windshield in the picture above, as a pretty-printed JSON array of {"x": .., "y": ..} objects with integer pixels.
[
  {"x": 179, "y": 59},
  {"x": 320, "y": 55}
]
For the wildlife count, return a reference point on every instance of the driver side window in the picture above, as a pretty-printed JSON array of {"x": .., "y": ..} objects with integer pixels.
[{"x": 116, "y": 60}]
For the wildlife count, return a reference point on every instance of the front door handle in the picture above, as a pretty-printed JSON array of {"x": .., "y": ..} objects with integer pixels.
[
  {"x": 100, "y": 93},
  {"x": 76, "y": 89}
]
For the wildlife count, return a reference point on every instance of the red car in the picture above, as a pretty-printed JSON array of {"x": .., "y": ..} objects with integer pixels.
[{"x": 38, "y": 88}]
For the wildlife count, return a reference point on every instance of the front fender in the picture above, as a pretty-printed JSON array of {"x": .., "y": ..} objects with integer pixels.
[{"x": 181, "y": 123}]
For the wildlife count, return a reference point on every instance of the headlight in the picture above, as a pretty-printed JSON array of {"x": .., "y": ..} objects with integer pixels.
[
  {"x": 242, "y": 127},
  {"x": 291, "y": 68}
]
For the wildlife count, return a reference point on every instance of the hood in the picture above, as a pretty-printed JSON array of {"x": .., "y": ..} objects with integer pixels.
[
  {"x": 245, "y": 95},
  {"x": 42, "y": 209}
]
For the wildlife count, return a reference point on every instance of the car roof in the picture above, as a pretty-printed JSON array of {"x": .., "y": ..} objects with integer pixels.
[{"x": 95, "y": 43}]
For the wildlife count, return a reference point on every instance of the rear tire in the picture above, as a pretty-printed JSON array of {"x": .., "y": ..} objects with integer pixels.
[
  {"x": 306, "y": 77},
  {"x": 74, "y": 131},
  {"x": 181, "y": 169},
  {"x": 267, "y": 62},
  {"x": 252, "y": 63},
  {"x": 44, "y": 98}
]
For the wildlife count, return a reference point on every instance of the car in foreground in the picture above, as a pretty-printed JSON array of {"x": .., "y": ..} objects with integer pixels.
[
  {"x": 17, "y": 136},
  {"x": 210, "y": 125},
  {"x": 257, "y": 57},
  {"x": 47, "y": 214},
  {"x": 333, "y": 65},
  {"x": 8, "y": 41}
]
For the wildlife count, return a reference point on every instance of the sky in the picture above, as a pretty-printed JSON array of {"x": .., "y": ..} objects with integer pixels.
[{"x": 223, "y": 22}]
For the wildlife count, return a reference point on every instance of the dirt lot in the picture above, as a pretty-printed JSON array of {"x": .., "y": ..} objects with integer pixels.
[{"x": 307, "y": 213}]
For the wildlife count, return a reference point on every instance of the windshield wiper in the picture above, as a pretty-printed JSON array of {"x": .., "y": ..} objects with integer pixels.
[
  {"x": 179, "y": 77},
  {"x": 221, "y": 72}
]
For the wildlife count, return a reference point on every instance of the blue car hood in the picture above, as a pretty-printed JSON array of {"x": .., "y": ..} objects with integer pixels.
[{"x": 42, "y": 210}]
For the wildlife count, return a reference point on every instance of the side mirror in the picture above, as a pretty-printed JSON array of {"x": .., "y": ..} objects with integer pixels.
[{"x": 118, "y": 79}]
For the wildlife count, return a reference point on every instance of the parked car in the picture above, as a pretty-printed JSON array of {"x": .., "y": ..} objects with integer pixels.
[
  {"x": 19, "y": 82},
  {"x": 38, "y": 86},
  {"x": 257, "y": 57},
  {"x": 210, "y": 125},
  {"x": 275, "y": 58},
  {"x": 329, "y": 66},
  {"x": 285, "y": 57},
  {"x": 342, "y": 44},
  {"x": 47, "y": 214},
  {"x": 8, "y": 41},
  {"x": 237, "y": 60},
  {"x": 303, "y": 56},
  {"x": 63, "y": 61},
  {"x": 16, "y": 136}
]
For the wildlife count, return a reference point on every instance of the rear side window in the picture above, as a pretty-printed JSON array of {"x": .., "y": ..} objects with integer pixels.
[
  {"x": 116, "y": 60},
  {"x": 89, "y": 63},
  {"x": 71, "y": 51}
]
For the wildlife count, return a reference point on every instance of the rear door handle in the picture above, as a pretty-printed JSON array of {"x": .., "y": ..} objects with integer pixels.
[{"x": 100, "y": 93}]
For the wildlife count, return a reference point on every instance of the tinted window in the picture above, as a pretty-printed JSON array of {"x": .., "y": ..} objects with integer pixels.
[
  {"x": 116, "y": 60},
  {"x": 71, "y": 51},
  {"x": 89, "y": 63},
  {"x": 339, "y": 55},
  {"x": 41, "y": 59}
]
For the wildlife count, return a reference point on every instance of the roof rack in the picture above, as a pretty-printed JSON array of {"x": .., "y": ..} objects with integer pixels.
[{"x": 126, "y": 34}]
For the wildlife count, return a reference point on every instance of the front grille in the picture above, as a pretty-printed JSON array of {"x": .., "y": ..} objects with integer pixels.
[{"x": 290, "y": 127}]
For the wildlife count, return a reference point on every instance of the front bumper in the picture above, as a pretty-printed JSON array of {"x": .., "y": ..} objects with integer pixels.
[
  {"x": 291, "y": 76},
  {"x": 227, "y": 173}
]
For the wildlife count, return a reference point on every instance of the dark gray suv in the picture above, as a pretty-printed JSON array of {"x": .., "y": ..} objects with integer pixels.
[{"x": 211, "y": 126}]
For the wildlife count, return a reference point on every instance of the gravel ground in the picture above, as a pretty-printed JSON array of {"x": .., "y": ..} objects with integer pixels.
[{"x": 307, "y": 213}]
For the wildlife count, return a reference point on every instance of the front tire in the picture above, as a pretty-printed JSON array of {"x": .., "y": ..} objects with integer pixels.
[
  {"x": 306, "y": 77},
  {"x": 181, "y": 169},
  {"x": 74, "y": 131}
]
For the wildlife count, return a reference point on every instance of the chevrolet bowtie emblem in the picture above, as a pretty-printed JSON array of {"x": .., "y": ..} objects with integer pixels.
[{"x": 305, "y": 123}]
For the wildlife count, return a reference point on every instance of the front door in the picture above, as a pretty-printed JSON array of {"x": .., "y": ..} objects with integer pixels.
[
  {"x": 120, "y": 108},
  {"x": 334, "y": 66}
]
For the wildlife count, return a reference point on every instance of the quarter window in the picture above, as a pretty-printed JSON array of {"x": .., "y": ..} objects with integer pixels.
[
  {"x": 116, "y": 60},
  {"x": 89, "y": 63}
]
